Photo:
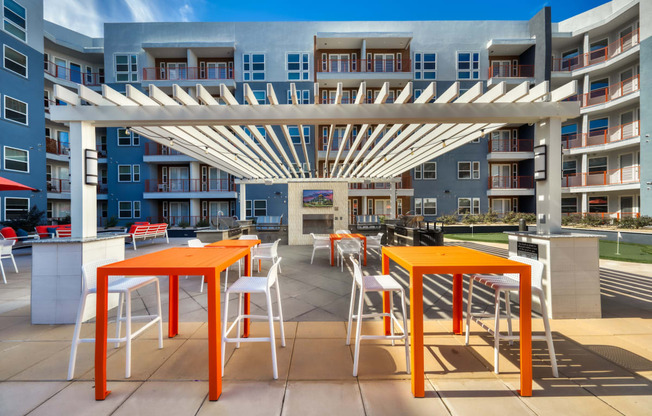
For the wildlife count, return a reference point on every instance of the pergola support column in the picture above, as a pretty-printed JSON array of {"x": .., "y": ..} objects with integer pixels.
[
  {"x": 548, "y": 191},
  {"x": 83, "y": 197},
  {"x": 392, "y": 199},
  {"x": 243, "y": 202}
]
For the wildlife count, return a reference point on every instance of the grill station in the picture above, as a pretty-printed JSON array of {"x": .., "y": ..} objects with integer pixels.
[
  {"x": 411, "y": 230},
  {"x": 230, "y": 224}
]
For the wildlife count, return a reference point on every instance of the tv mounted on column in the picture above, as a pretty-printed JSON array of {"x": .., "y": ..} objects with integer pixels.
[{"x": 318, "y": 198}]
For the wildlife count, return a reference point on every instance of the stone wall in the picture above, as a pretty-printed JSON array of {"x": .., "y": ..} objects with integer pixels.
[{"x": 296, "y": 209}]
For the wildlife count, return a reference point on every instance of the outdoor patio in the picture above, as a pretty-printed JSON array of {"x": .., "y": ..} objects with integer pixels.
[{"x": 605, "y": 364}]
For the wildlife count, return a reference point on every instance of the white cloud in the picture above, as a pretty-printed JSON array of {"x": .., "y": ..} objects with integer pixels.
[{"x": 88, "y": 16}]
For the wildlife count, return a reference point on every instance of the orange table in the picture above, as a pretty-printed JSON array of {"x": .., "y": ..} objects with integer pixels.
[
  {"x": 335, "y": 237},
  {"x": 171, "y": 262},
  {"x": 456, "y": 261},
  {"x": 247, "y": 304}
]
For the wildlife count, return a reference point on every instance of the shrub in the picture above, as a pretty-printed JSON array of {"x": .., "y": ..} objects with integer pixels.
[
  {"x": 594, "y": 221},
  {"x": 202, "y": 223},
  {"x": 529, "y": 217},
  {"x": 489, "y": 218},
  {"x": 33, "y": 218},
  {"x": 183, "y": 224},
  {"x": 111, "y": 222},
  {"x": 628, "y": 222},
  {"x": 471, "y": 219},
  {"x": 510, "y": 218},
  {"x": 448, "y": 219},
  {"x": 65, "y": 220}
]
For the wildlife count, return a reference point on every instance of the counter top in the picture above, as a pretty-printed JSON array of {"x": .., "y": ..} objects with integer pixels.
[
  {"x": 68, "y": 240},
  {"x": 550, "y": 236}
]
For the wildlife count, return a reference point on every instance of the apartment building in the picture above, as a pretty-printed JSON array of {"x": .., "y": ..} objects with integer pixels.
[{"x": 326, "y": 62}]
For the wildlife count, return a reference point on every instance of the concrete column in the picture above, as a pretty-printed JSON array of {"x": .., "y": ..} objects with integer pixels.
[
  {"x": 195, "y": 177},
  {"x": 586, "y": 88},
  {"x": 363, "y": 57},
  {"x": 195, "y": 210},
  {"x": 192, "y": 59},
  {"x": 586, "y": 47},
  {"x": 584, "y": 199},
  {"x": 243, "y": 201},
  {"x": 548, "y": 191},
  {"x": 363, "y": 209},
  {"x": 584, "y": 167},
  {"x": 392, "y": 199},
  {"x": 83, "y": 198}
]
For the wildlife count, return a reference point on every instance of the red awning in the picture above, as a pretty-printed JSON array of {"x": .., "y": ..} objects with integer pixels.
[{"x": 9, "y": 185}]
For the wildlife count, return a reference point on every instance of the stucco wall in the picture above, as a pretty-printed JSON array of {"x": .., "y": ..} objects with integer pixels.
[{"x": 296, "y": 209}]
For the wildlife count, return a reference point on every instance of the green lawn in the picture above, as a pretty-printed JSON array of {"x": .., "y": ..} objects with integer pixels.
[{"x": 636, "y": 253}]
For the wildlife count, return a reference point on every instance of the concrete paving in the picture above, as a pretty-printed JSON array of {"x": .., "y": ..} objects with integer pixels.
[{"x": 605, "y": 364}]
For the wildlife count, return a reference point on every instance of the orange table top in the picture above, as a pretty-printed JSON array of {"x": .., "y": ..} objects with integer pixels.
[
  {"x": 178, "y": 260},
  {"x": 450, "y": 259},
  {"x": 234, "y": 243},
  {"x": 340, "y": 236}
]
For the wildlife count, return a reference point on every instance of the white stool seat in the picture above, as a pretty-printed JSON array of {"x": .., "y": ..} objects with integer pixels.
[
  {"x": 347, "y": 247},
  {"x": 267, "y": 251},
  {"x": 249, "y": 285},
  {"x": 125, "y": 284},
  {"x": 498, "y": 282},
  {"x": 380, "y": 283}
]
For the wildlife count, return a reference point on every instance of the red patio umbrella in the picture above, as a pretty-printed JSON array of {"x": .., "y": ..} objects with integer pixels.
[{"x": 8, "y": 185}]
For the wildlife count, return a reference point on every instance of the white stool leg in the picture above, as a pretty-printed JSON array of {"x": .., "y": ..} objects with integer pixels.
[
  {"x": 496, "y": 330},
  {"x": 280, "y": 313},
  {"x": 160, "y": 314},
  {"x": 226, "y": 278},
  {"x": 118, "y": 318},
  {"x": 237, "y": 345},
  {"x": 128, "y": 333},
  {"x": 313, "y": 255},
  {"x": 3, "y": 272},
  {"x": 508, "y": 309},
  {"x": 358, "y": 330},
  {"x": 14, "y": 262},
  {"x": 391, "y": 312},
  {"x": 224, "y": 328},
  {"x": 75, "y": 336},
  {"x": 348, "y": 327},
  {"x": 406, "y": 333},
  {"x": 272, "y": 338},
  {"x": 546, "y": 325},
  {"x": 468, "y": 313},
  {"x": 274, "y": 260}
]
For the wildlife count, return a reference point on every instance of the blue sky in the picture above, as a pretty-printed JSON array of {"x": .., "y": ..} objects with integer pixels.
[{"x": 88, "y": 16}]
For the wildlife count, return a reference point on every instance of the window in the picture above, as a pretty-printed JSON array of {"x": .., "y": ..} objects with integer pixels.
[
  {"x": 16, "y": 208},
  {"x": 261, "y": 96},
  {"x": 135, "y": 173},
  {"x": 569, "y": 59},
  {"x": 126, "y": 68},
  {"x": 468, "y": 65},
  {"x": 597, "y": 164},
  {"x": 298, "y": 66},
  {"x": 430, "y": 170},
  {"x": 128, "y": 139},
  {"x": 15, "y": 61},
  {"x": 425, "y": 66},
  {"x": 14, "y": 19},
  {"x": 248, "y": 209},
  {"x": 136, "y": 210},
  {"x": 569, "y": 167},
  {"x": 15, "y": 110},
  {"x": 569, "y": 205},
  {"x": 16, "y": 159},
  {"x": 429, "y": 206},
  {"x": 468, "y": 206},
  {"x": 296, "y": 137},
  {"x": 598, "y": 127},
  {"x": 303, "y": 97},
  {"x": 253, "y": 66},
  {"x": 135, "y": 139},
  {"x": 124, "y": 173},
  {"x": 261, "y": 130},
  {"x": 418, "y": 173},
  {"x": 598, "y": 204},
  {"x": 468, "y": 170},
  {"x": 125, "y": 209},
  {"x": 260, "y": 207}
]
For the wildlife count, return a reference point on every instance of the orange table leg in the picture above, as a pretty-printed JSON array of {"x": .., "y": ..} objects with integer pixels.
[
  {"x": 101, "y": 314},
  {"x": 416, "y": 333},
  {"x": 214, "y": 336},
  {"x": 387, "y": 320},
  {"x": 457, "y": 303},
  {"x": 525, "y": 327},
  {"x": 365, "y": 251},
  {"x": 332, "y": 252},
  {"x": 173, "y": 319},
  {"x": 247, "y": 305}
]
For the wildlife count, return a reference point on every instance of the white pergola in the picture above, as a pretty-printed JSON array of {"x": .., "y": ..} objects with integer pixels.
[{"x": 225, "y": 134}]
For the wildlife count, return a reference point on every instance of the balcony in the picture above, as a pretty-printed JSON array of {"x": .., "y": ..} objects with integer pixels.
[
  {"x": 373, "y": 71},
  {"x": 597, "y": 56},
  {"x": 624, "y": 178},
  {"x": 55, "y": 147},
  {"x": 56, "y": 187},
  {"x": 61, "y": 73},
  {"x": 158, "y": 153},
  {"x": 507, "y": 72},
  {"x": 510, "y": 186},
  {"x": 608, "y": 94},
  {"x": 189, "y": 188},
  {"x": 403, "y": 188},
  {"x": 510, "y": 150},
  {"x": 601, "y": 137},
  {"x": 189, "y": 76}
]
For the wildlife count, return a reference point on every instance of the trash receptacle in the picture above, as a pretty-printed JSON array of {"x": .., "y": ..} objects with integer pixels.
[{"x": 522, "y": 226}]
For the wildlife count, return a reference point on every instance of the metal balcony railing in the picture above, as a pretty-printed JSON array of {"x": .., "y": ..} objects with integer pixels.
[
  {"x": 610, "y": 51},
  {"x": 597, "y": 137},
  {"x": 55, "y": 147},
  {"x": 511, "y": 182},
  {"x": 364, "y": 65},
  {"x": 79, "y": 77},
  {"x": 155, "y": 149},
  {"x": 190, "y": 185},
  {"x": 187, "y": 73},
  {"x": 610, "y": 93},
  {"x": 505, "y": 70},
  {"x": 509, "y": 145},
  {"x": 628, "y": 175},
  {"x": 58, "y": 186}
]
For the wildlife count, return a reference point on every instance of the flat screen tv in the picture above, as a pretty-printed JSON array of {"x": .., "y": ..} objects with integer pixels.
[{"x": 318, "y": 198}]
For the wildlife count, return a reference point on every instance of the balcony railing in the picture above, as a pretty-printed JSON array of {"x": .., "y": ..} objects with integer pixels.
[
  {"x": 603, "y": 215},
  {"x": 610, "y": 93},
  {"x": 155, "y": 149},
  {"x": 631, "y": 174},
  {"x": 181, "y": 220},
  {"x": 79, "y": 77},
  {"x": 511, "y": 182},
  {"x": 190, "y": 185},
  {"x": 377, "y": 185},
  {"x": 188, "y": 73},
  {"x": 509, "y": 145},
  {"x": 55, "y": 147},
  {"x": 610, "y": 51},
  {"x": 364, "y": 65},
  {"x": 102, "y": 189},
  {"x": 594, "y": 138},
  {"x": 58, "y": 186},
  {"x": 504, "y": 70}
]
